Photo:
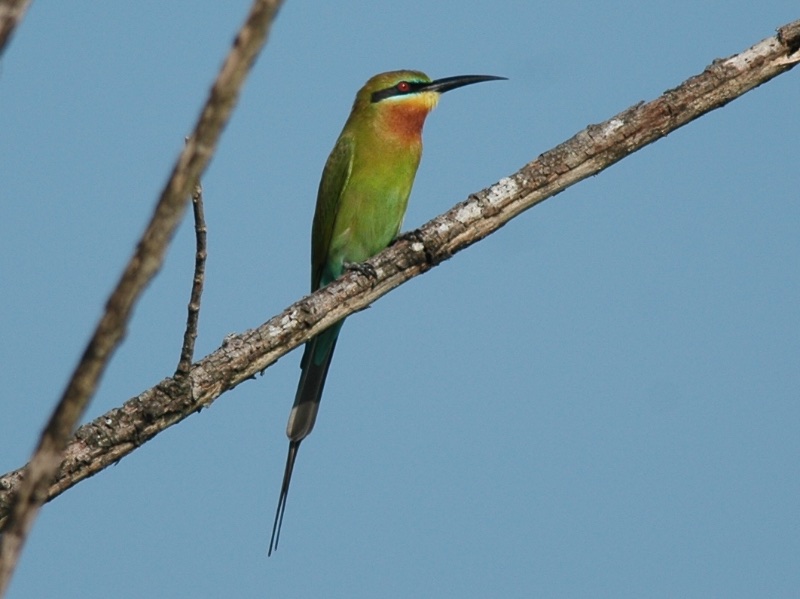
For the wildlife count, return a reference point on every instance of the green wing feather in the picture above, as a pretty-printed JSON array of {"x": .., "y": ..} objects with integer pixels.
[{"x": 329, "y": 198}]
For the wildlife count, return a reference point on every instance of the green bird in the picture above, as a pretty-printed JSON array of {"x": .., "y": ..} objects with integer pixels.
[{"x": 361, "y": 202}]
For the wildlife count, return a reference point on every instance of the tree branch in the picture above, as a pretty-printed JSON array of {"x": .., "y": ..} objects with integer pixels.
[
  {"x": 32, "y": 488},
  {"x": 11, "y": 13},
  {"x": 193, "y": 311},
  {"x": 117, "y": 433}
]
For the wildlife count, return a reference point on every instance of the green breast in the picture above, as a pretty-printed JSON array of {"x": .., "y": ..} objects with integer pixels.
[{"x": 372, "y": 204}]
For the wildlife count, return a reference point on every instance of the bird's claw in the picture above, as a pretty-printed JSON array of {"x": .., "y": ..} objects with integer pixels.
[
  {"x": 363, "y": 268},
  {"x": 413, "y": 236}
]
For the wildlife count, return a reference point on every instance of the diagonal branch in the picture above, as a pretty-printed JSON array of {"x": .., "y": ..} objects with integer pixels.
[
  {"x": 32, "y": 488},
  {"x": 11, "y": 13},
  {"x": 118, "y": 432}
]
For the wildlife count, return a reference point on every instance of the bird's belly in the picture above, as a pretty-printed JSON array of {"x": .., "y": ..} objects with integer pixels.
[{"x": 369, "y": 227}]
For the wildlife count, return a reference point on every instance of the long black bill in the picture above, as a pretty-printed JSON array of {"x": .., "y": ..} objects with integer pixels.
[{"x": 448, "y": 83}]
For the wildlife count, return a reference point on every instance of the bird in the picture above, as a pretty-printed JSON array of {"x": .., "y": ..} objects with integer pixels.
[{"x": 361, "y": 202}]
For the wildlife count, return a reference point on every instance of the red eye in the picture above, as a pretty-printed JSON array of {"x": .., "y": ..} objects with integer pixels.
[{"x": 403, "y": 86}]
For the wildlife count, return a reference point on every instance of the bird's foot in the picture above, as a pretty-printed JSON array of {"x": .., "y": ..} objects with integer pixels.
[
  {"x": 362, "y": 268},
  {"x": 413, "y": 236}
]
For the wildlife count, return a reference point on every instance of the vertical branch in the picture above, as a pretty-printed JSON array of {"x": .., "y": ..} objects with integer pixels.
[
  {"x": 143, "y": 265},
  {"x": 190, "y": 334},
  {"x": 11, "y": 13}
]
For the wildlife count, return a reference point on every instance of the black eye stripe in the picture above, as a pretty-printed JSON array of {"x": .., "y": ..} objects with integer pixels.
[{"x": 413, "y": 86}]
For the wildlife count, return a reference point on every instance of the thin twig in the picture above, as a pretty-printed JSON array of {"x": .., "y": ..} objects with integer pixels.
[
  {"x": 146, "y": 261},
  {"x": 118, "y": 432},
  {"x": 193, "y": 311}
]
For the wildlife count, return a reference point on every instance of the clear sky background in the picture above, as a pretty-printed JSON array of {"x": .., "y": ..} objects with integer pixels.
[{"x": 600, "y": 400}]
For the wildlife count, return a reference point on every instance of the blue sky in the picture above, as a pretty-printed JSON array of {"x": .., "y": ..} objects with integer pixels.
[{"x": 599, "y": 400}]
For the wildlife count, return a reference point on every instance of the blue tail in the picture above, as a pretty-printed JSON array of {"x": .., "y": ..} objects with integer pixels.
[{"x": 316, "y": 360}]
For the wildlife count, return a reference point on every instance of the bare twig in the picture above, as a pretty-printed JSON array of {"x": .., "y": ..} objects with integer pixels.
[
  {"x": 11, "y": 13},
  {"x": 146, "y": 261},
  {"x": 193, "y": 315},
  {"x": 118, "y": 432}
]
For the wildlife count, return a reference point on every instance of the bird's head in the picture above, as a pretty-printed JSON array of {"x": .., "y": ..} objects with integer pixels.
[{"x": 400, "y": 100}]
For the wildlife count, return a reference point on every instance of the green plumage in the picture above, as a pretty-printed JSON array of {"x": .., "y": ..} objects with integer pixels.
[{"x": 361, "y": 203}]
